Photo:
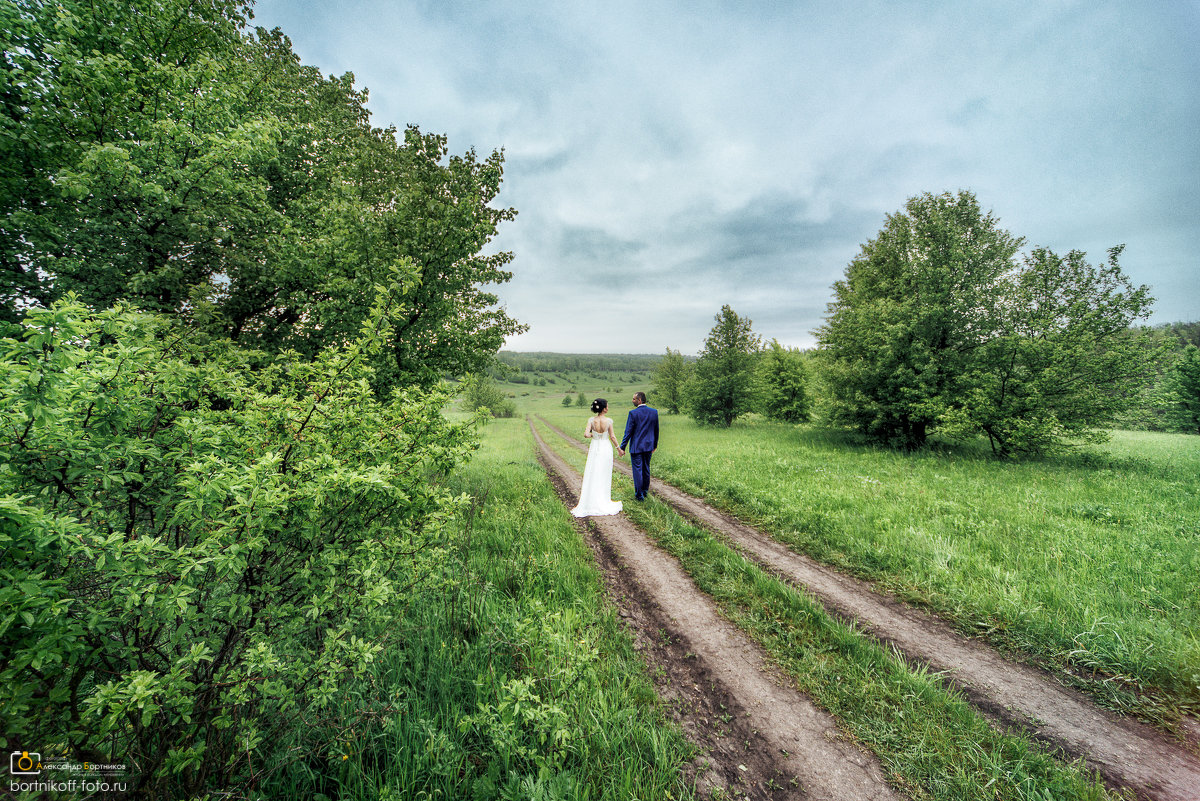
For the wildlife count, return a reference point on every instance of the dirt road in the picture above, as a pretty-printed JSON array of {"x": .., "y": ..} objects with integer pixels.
[
  {"x": 1127, "y": 753},
  {"x": 773, "y": 742}
]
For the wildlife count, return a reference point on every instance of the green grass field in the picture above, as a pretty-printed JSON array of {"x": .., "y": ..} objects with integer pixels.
[
  {"x": 929, "y": 740},
  {"x": 510, "y": 676},
  {"x": 515, "y": 680},
  {"x": 1090, "y": 560}
]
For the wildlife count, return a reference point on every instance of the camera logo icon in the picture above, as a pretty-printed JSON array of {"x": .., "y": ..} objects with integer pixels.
[{"x": 24, "y": 763}]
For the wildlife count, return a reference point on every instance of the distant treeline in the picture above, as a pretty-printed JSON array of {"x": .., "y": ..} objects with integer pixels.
[
  {"x": 1158, "y": 405},
  {"x": 1186, "y": 333},
  {"x": 542, "y": 362}
]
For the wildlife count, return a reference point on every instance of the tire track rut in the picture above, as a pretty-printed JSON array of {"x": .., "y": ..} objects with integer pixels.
[
  {"x": 1126, "y": 753},
  {"x": 776, "y": 733}
]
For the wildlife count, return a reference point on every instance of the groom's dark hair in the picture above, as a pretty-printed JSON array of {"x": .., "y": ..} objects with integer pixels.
[{"x": 641, "y": 396}]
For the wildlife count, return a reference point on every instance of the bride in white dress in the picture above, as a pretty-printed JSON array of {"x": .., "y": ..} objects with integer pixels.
[{"x": 595, "y": 497}]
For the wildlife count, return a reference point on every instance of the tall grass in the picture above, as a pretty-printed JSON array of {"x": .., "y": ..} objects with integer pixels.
[
  {"x": 509, "y": 676},
  {"x": 1090, "y": 560}
]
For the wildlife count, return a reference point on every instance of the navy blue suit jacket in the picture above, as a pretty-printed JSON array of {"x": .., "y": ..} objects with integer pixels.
[{"x": 641, "y": 430}]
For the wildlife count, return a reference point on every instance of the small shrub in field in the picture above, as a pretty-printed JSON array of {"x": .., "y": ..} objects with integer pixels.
[
  {"x": 198, "y": 540},
  {"x": 671, "y": 375},
  {"x": 782, "y": 394},
  {"x": 481, "y": 393}
]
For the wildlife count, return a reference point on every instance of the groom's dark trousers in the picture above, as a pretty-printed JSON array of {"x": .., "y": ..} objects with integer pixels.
[
  {"x": 639, "y": 463},
  {"x": 641, "y": 432}
]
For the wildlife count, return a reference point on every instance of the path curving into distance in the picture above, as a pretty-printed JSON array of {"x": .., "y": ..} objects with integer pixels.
[
  {"x": 1127, "y": 753},
  {"x": 793, "y": 749}
]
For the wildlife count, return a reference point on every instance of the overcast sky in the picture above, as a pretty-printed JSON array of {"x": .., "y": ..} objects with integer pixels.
[{"x": 666, "y": 158}]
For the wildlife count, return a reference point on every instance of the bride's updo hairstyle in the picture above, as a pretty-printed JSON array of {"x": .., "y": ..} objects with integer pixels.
[{"x": 599, "y": 405}]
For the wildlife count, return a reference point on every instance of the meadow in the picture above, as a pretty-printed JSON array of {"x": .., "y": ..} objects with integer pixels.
[
  {"x": 1086, "y": 562},
  {"x": 515, "y": 678},
  {"x": 930, "y": 741}
]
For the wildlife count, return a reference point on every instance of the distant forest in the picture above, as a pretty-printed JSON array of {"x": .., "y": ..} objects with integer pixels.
[
  {"x": 1154, "y": 409},
  {"x": 1188, "y": 333},
  {"x": 542, "y": 362},
  {"x": 546, "y": 362}
]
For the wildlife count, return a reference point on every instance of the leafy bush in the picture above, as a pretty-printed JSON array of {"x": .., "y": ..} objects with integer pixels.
[
  {"x": 782, "y": 377},
  {"x": 198, "y": 540},
  {"x": 670, "y": 377}
]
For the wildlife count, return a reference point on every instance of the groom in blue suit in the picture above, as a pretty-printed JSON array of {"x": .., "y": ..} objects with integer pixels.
[{"x": 641, "y": 432}]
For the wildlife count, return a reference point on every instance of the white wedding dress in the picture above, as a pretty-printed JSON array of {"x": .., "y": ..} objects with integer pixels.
[{"x": 595, "y": 496}]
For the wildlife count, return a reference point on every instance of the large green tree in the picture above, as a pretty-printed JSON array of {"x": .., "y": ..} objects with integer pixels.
[
  {"x": 938, "y": 325},
  {"x": 140, "y": 131},
  {"x": 162, "y": 153},
  {"x": 905, "y": 318},
  {"x": 215, "y": 468},
  {"x": 722, "y": 387}
]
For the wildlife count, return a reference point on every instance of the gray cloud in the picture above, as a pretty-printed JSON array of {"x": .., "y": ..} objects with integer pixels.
[
  {"x": 594, "y": 244},
  {"x": 668, "y": 158},
  {"x": 775, "y": 228}
]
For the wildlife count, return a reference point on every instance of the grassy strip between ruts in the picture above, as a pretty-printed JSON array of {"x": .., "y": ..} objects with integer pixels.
[
  {"x": 510, "y": 676},
  {"x": 1087, "y": 560},
  {"x": 930, "y": 741}
]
